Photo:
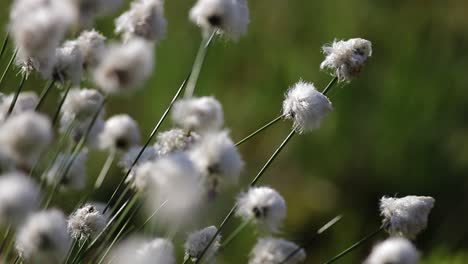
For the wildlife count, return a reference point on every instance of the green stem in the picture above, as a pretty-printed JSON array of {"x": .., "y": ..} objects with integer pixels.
[
  {"x": 59, "y": 108},
  {"x": 148, "y": 141},
  {"x": 235, "y": 234},
  {"x": 330, "y": 85},
  {"x": 8, "y": 67},
  {"x": 4, "y": 44},
  {"x": 197, "y": 65},
  {"x": 15, "y": 97},
  {"x": 70, "y": 251},
  {"x": 152, "y": 215},
  {"x": 113, "y": 242},
  {"x": 43, "y": 95},
  {"x": 105, "y": 169},
  {"x": 260, "y": 130},
  {"x": 354, "y": 246}
]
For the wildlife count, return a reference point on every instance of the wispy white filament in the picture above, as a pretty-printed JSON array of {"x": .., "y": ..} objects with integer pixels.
[
  {"x": 396, "y": 250},
  {"x": 197, "y": 242},
  {"x": 120, "y": 132},
  {"x": 80, "y": 105},
  {"x": 305, "y": 106},
  {"x": 92, "y": 47},
  {"x": 274, "y": 251},
  {"x": 87, "y": 222},
  {"x": 175, "y": 140},
  {"x": 198, "y": 114}
]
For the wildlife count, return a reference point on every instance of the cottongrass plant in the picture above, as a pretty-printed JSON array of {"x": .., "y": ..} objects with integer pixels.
[{"x": 170, "y": 176}]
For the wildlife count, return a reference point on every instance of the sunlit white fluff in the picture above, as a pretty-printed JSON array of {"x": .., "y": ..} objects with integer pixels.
[
  {"x": 397, "y": 250},
  {"x": 275, "y": 250},
  {"x": 44, "y": 238},
  {"x": 406, "y": 216},
  {"x": 144, "y": 19},
  {"x": 87, "y": 222},
  {"x": 175, "y": 140},
  {"x": 264, "y": 206},
  {"x": 80, "y": 105},
  {"x": 230, "y": 17},
  {"x": 125, "y": 67},
  {"x": 305, "y": 106},
  {"x": 92, "y": 46},
  {"x": 197, "y": 242},
  {"x": 120, "y": 132},
  {"x": 24, "y": 137},
  {"x": 217, "y": 159},
  {"x": 147, "y": 156},
  {"x": 19, "y": 196},
  {"x": 69, "y": 63},
  {"x": 138, "y": 250},
  {"x": 198, "y": 114},
  {"x": 26, "y": 101},
  {"x": 345, "y": 59},
  {"x": 75, "y": 178}
]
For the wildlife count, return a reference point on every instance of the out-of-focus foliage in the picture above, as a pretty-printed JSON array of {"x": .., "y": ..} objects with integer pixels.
[{"x": 400, "y": 128}]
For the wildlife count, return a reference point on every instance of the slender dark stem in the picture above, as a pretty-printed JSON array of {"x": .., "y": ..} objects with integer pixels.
[
  {"x": 4, "y": 44},
  {"x": 59, "y": 108},
  {"x": 354, "y": 246},
  {"x": 330, "y": 85},
  {"x": 8, "y": 68},
  {"x": 234, "y": 234},
  {"x": 43, "y": 95},
  {"x": 259, "y": 130},
  {"x": 273, "y": 157},
  {"x": 150, "y": 138},
  {"x": 15, "y": 97}
]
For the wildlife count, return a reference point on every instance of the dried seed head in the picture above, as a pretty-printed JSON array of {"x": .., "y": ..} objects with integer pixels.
[
  {"x": 120, "y": 132},
  {"x": 305, "y": 106},
  {"x": 175, "y": 140},
  {"x": 92, "y": 46},
  {"x": 69, "y": 63},
  {"x": 197, "y": 242},
  {"x": 396, "y": 250},
  {"x": 198, "y": 114},
  {"x": 274, "y": 251},
  {"x": 87, "y": 222}
]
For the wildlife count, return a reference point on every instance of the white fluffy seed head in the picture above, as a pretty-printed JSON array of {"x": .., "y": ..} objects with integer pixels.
[
  {"x": 75, "y": 178},
  {"x": 26, "y": 101},
  {"x": 68, "y": 63},
  {"x": 92, "y": 46},
  {"x": 397, "y": 250},
  {"x": 87, "y": 222},
  {"x": 120, "y": 132},
  {"x": 305, "y": 106},
  {"x": 44, "y": 238},
  {"x": 274, "y": 251},
  {"x": 202, "y": 114},
  {"x": 405, "y": 216},
  {"x": 197, "y": 241},
  {"x": 19, "y": 196},
  {"x": 24, "y": 137},
  {"x": 230, "y": 17},
  {"x": 139, "y": 250},
  {"x": 264, "y": 206},
  {"x": 217, "y": 159},
  {"x": 125, "y": 67},
  {"x": 144, "y": 19},
  {"x": 80, "y": 105},
  {"x": 345, "y": 59},
  {"x": 175, "y": 140},
  {"x": 149, "y": 154}
]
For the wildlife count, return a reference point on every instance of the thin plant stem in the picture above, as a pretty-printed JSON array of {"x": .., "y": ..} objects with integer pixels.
[
  {"x": 105, "y": 169},
  {"x": 5, "y": 237},
  {"x": 8, "y": 67},
  {"x": 4, "y": 44},
  {"x": 354, "y": 246},
  {"x": 80, "y": 248},
  {"x": 330, "y": 85},
  {"x": 234, "y": 234},
  {"x": 15, "y": 97},
  {"x": 148, "y": 141},
  {"x": 17, "y": 260},
  {"x": 197, "y": 65},
  {"x": 59, "y": 108},
  {"x": 70, "y": 251},
  {"x": 44, "y": 94},
  {"x": 260, "y": 130},
  {"x": 152, "y": 215},
  {"x": 113, "y": 242}
]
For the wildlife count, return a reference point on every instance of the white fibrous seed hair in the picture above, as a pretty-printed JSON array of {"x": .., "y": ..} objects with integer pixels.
[
  {"x": 68, "y": 63},
  {"x": 144, "y": 19},
  {"x": 275, "y": 251},
  {"x": 405, "y": 216},
  {"x": 345, "y": 59},
  {"x": 92, "y": 45},
  {"x": 125, "y": 67},
  {"x": 24, "y": 137},
  {"x": 174, "y": 140},
  {"x": 396, "y": 250},
  {"x": 263, "y": 206},
  {"x": 172, "y": 178},
  {"x": 80, "y": 105},
  {"x": 138, "y": 250},
  {"x": 44, "y": 238},
  {"x": 19, "y": 196},
  {"x": 305, "y": 106},
  {"x": 38, "y": 27},
  {"x": 229, "y": 17},
  {"x": 217, "y": 159},
  {"x": 198, "y": 114},
  {"x": 120, "y": 132},
  {"x": 87, "y": 222},
  {"x": 197, "y": 242},
  {"x": 75, "y": 178},
  {"x": 26, "y": 101}
]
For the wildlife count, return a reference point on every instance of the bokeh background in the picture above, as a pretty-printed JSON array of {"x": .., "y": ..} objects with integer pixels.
[{"x": 400, "y": 128}]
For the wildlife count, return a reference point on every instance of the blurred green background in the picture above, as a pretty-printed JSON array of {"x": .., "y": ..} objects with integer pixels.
[{"x": 400, "y": 128}]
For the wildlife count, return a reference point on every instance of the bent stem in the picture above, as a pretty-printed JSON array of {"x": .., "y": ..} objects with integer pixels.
[
  {"x": 105, "y": 169},
  {"x": 59, "y": 108},
  {"x": 354, "y": 246},
  {"x": 8, "y": 67},
  {"x": 15, "y": 97},
  {"x": 43, "y": 95},
  {"x": 197, "y": 65},
  {"x": 4, "y": 44},
  {"x": 260, "y": 130}
]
